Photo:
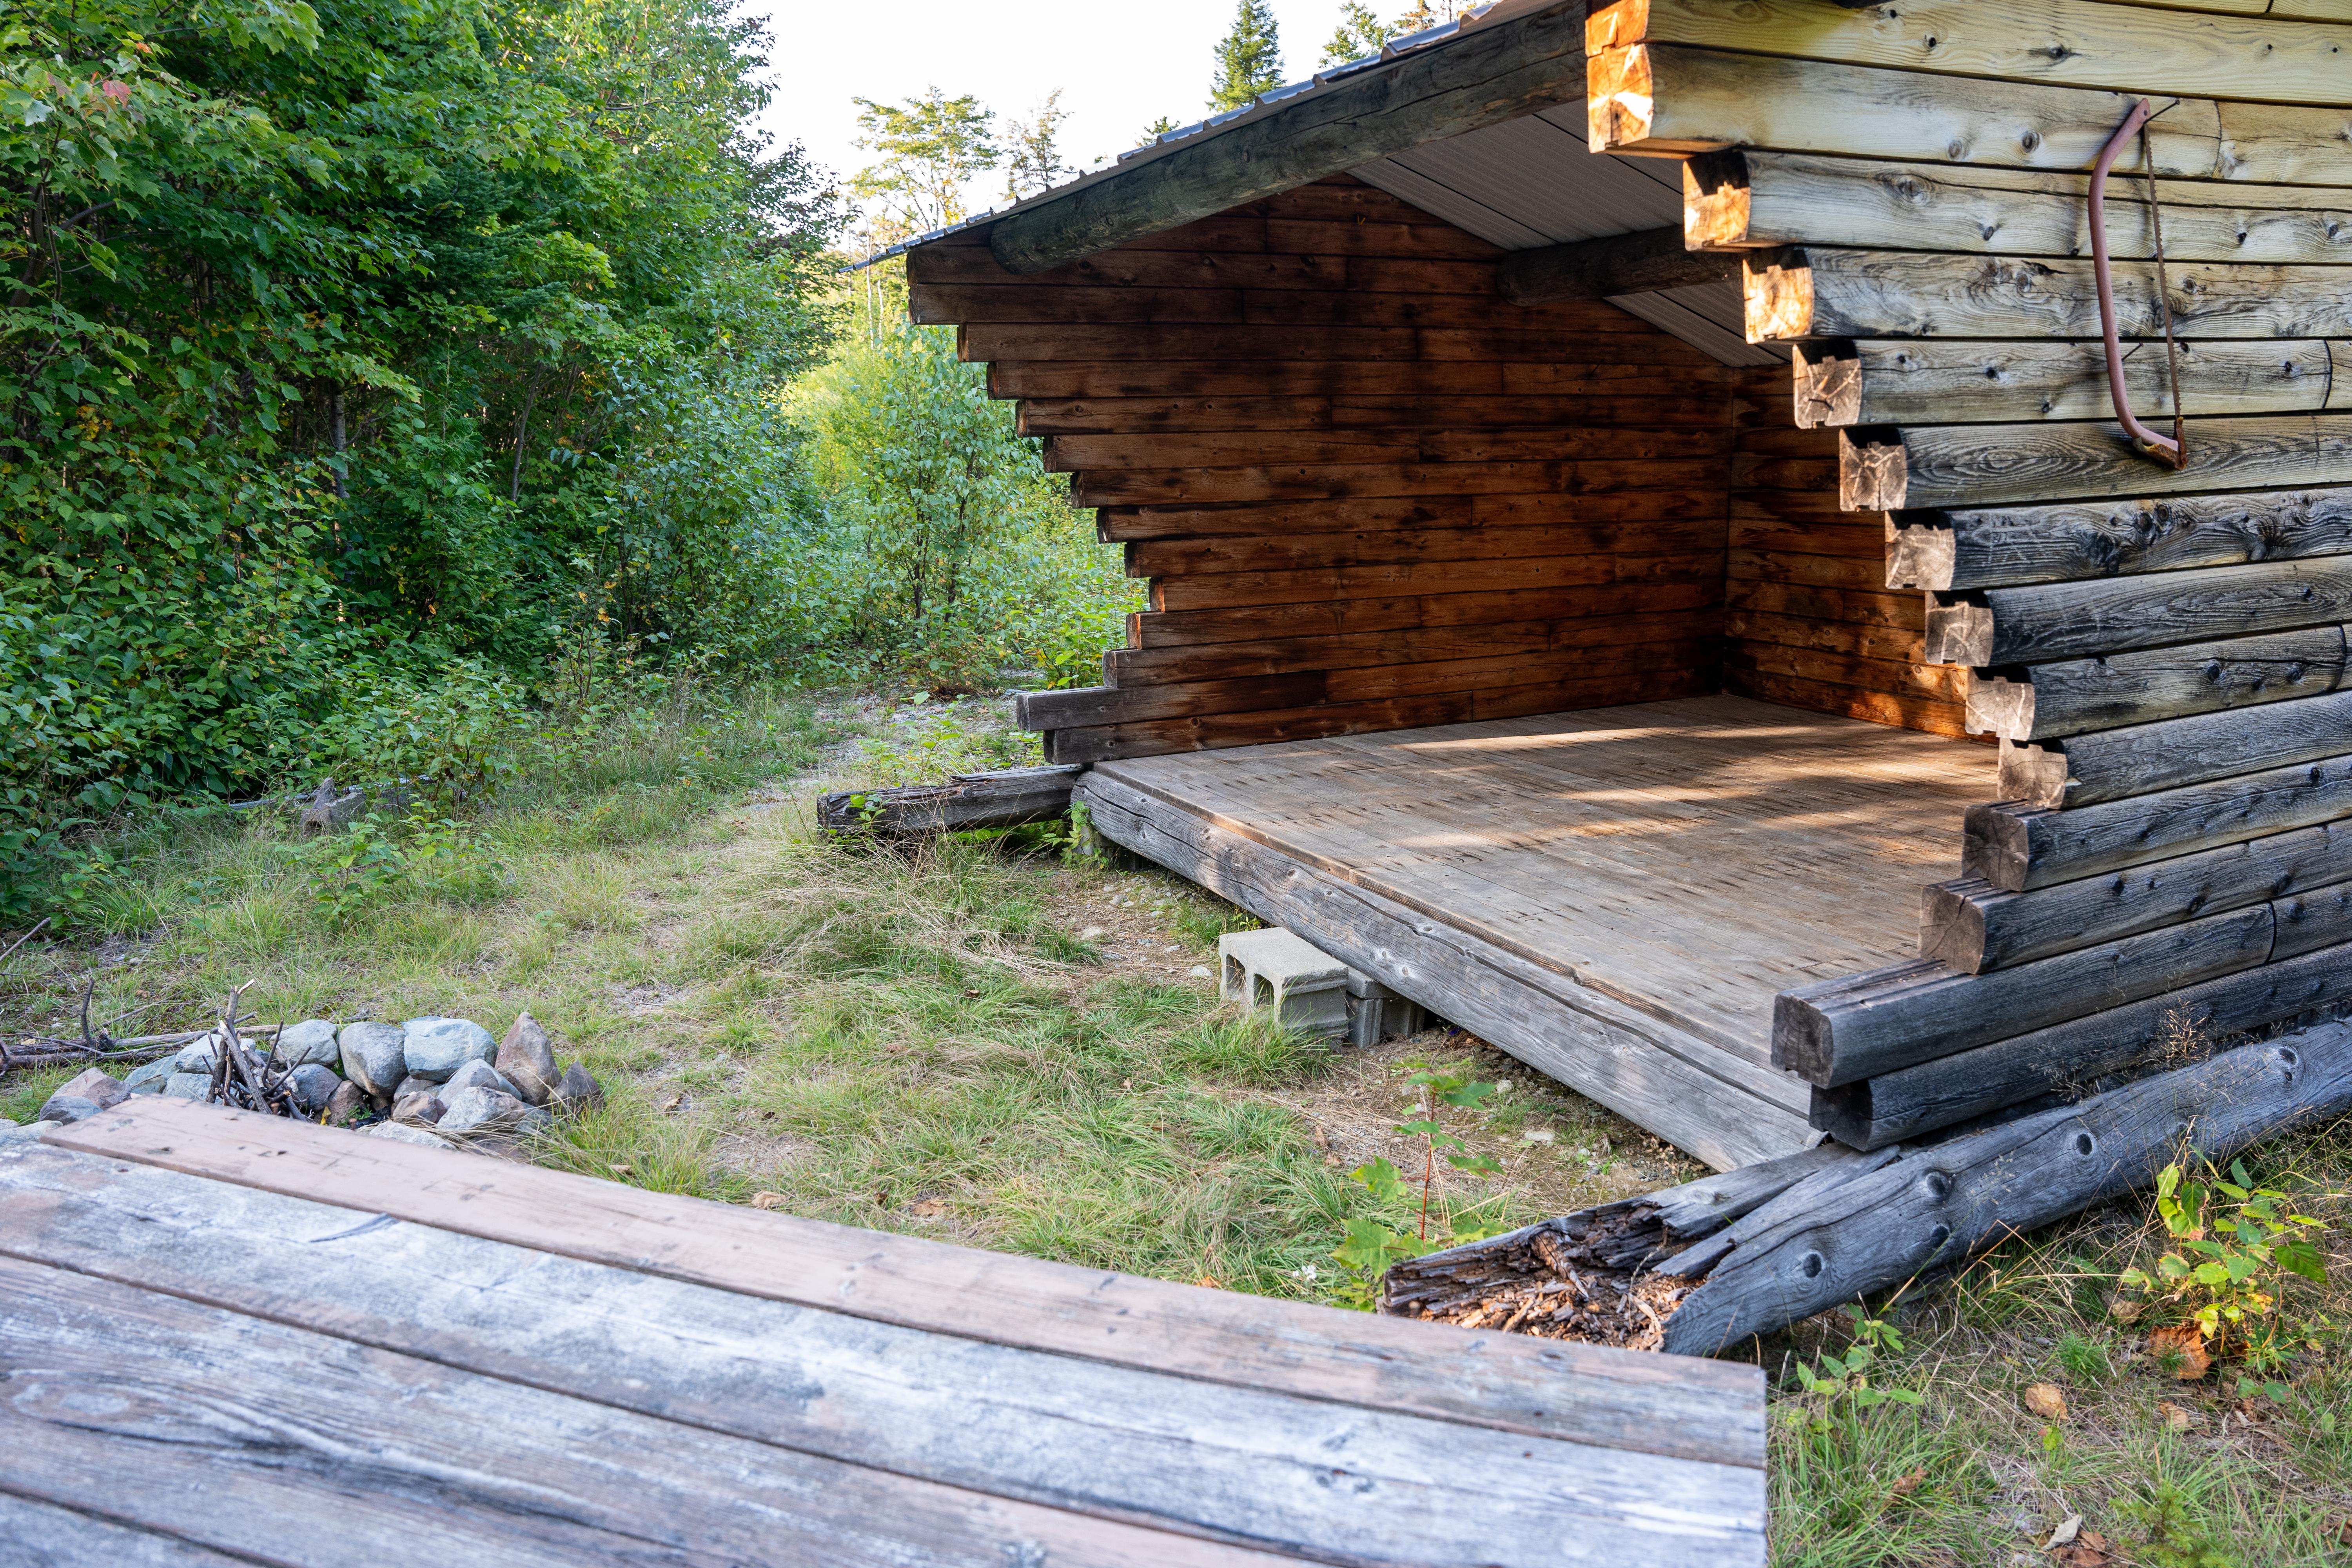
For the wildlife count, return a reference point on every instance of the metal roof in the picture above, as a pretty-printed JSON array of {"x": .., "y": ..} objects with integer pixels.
[{"x": 1521, "y": 184}]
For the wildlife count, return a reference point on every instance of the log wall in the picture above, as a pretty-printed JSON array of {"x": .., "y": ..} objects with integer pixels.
[
  {"x": 1370, "y": 494},
  {"x": 2161, "y": 650}
]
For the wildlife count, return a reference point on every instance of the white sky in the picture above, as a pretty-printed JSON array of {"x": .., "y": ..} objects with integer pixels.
[{"x": 1120, "y": 64}]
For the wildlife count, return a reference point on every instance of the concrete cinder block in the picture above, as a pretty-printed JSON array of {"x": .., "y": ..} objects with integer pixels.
[
  {"x": 1306, "y": 988},
  {"x": 1375, "y": 1013}
]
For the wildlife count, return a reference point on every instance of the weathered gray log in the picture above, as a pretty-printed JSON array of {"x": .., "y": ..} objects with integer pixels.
[
  {"x": 1933, "y": 382},
  {"x": 1694, "y": 1262},
  {"x": 2073, "y": 696},
  {"x": 1006, "y": 799},
  {"x": 1697, "y": 1096},
  {"x": 2007, "y": 546},
  {"x": 1811, "y": 291},
  {"x": 2078, "y": 770},
  {"x": 1839, "y": 1031},
  {"x": 2069, "y": 1058},
  {"x": 1885, "y": 468},
  {"x": 2016, "y": 847},
  {"x": 2050, "y": 621},
  {"x": 1485, "y": 76},
  {"x": 1635, "y": 263},
  {"x": 1936, "y": 1206},
  {"x": 1974, "y": 926}
]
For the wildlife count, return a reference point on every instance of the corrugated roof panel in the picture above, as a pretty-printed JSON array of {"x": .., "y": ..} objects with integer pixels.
[{"x": 1530, "y": 174}]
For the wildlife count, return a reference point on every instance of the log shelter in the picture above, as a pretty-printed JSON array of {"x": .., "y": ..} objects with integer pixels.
[{"x": 1644, "y": 561}]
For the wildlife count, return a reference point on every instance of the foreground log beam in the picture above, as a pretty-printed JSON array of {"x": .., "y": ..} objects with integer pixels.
[
  {"x": 1616, "y": 264},
  {"x": 2051, "y": 621},
  {"x": 2013, "y": 546},
  {"x": 2104, "y": 765},
  {"x": 1886, "y": 469},
  {"x": 1491, "y": 74},
  {"x": 1927, "y": 1211},
  {"x": 970, "y": 801},
  {"x": 2075, "y": 696}
]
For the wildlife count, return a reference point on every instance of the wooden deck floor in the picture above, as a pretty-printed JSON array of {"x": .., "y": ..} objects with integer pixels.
[
  {"x": 236, "y": 1338},
  {"x": 1687, "y": 860}
]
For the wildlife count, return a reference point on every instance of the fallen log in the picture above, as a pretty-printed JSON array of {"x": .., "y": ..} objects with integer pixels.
[
  {"x": 1007, "y": 797},
  {"x": 1861, "y": 1228}
]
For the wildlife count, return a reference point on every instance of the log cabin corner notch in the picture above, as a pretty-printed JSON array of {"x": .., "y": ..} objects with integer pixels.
[{"x": 1590, "y": 634}]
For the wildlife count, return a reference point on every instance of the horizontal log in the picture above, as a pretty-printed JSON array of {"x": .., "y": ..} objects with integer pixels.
[
  {"x": 2073, "y": 696},
  {"x": 1744, "y": 199},
  {"x": 1398, "y": 445},
  {"x": 1896, "y": 611},
  {"x": 1898, "y": 382},
  {"x": 1259, "y": 623},
  {"x": 1007, "y": 798},
  {"x": 1671, "y": 100},
  {"x": 1326, "y": 481},
  {"x": 1638, "y": 263},
  {"x": 1855, "y": 1026},
  {"x": 1232, "y": 660},
  {"x": 1843, "y": 668},
  {"x": 1974, "y": 926},
  {"x": 976, "y": 305},
  {"x": 1925, "y": 714},
  {"x": 1218, "y": 520},
  {"x": 998, "y": 340},
  {"x": 1081, "y": 706},
  {"x": 1934, "y": 1207},
  {"x": 1304, "y": 552},
  {"x": 2017, "y": 545},
  {"x": 2045, "y": 621},
  {"x": 2078, "y": 770},
  {"x": 1829, "y": 636},
  {"x": 1502, "y": 699},
  {"x": 1816, "y": 291},
  {"x": 1884, "y": 469},
  {"x": 1163, "y": 416},
  {"x": 2164, "y": 1030},
  {"x": 2076, "y": 43},
  {"x": 2017, "y": 846},
  {"x": 1236, "y": 589},
  {"x": 1135, "y": 267}
]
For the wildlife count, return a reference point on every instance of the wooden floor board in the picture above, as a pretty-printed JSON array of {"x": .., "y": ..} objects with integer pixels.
[{"x": 1692, "y": 857}]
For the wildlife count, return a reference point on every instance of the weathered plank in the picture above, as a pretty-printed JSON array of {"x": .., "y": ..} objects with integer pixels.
[
  {"x": 1940, "y": 1205},
  {"x": 1884, "y": 469},
  {"x": 2017, "y": 847},
  {"x": 42, "y": 1535},
  {"x": 1974, "y": 926},
  {"x": 2073, "y": 696},
  {"x": 1930, "y": 381},
  {"x": 1819, "y": 291},
  {"x": 2078, "y": 770},
  {"x": 2048, "y": 621},
  {"x": 274, "y": 1445},
  {"x": 2078, "y": 43},
  {"x": 1616, "y": 264},
  {"x": 2067, "y": 1059},
  {"x": 1492, "y": 74},
  {"x": 1669, "y": 100},
  {"x": 1855, "y": 1026},
  {"x": 1256, "y": 1343},
  {"x": 1219, "y": 521},
  {"x": 1680, "y": 1088},
  {"x": 1117, "y": 1443},
  {"x": 1746, "y": 199},
  {"x": 1004, "y": 798},
  {"x": 1992, "y": 548}
]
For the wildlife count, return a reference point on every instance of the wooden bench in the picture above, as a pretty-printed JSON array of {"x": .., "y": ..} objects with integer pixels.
[{"x": 233, "y": 1339}]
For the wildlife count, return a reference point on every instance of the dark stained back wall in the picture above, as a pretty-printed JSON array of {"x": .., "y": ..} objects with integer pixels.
[{"x": 1369, "y": 493}]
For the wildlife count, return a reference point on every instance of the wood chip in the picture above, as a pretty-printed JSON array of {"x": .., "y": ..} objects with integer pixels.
[
  {"x": 2088, "y": 1550},
  {"x": 2047, "y": 1401},
  {"x": 2175, "y": 1416},
  {"x": 767, "y": 1200}
]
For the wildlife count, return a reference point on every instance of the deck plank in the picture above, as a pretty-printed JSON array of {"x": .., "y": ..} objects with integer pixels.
[
  {"x": 43, "y": 1535},
  {"x": 1244, "y": 1466},
  {"x": 1692, "y": 857},
  {"x": 1702, "y": 1410}
]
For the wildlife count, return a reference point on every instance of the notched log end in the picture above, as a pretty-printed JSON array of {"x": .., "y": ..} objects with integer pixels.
[
  {"x": 1952, "y": 926},
  {"x": 1776, "y": 290},
  {"x": 1715, "y": 205},
  {"x": 1959, "y": 631},
  {"x": 1922, "y": 551},
  {"x": 1874, "y": 470},
  {"x": 1618, "y": 107},
  {"x": 1827, "y": 380},
  {"x": 1997, "y": 844},
  {"x": 1801, "y": 1034},
  {"x": 2035, "y": 776},
  {"x": 1999, "y": 706}
]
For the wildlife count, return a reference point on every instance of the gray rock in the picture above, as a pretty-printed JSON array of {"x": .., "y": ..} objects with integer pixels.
[
  {"x": 528, "y": 1061},
  {"x": 481, "y": 1109},
  {"x": 96, "y": 1085},
  {"x": 196, "y": 1057},
  {"x": 148, "y": 1080},
  {"x": 347, "y": 1102},
  {"x": 479, "y": 1074},
  {"x": 372, "y": 1056},
  {"x": 188, "y": 1085},
  {"x": 417, "y": 1109},
  {"x": 13, "y": 1133},
  {"x": 314, "y": 1087},
  {"x": 435, "y": 1047},
  {"x": 309, "y": 1043},
  {"x": 67, "y": 1108},
  {"x": 411, "y": 1084},
  {"x": 401, "y": 1132},
  {"x": 578, "y": 1092}
]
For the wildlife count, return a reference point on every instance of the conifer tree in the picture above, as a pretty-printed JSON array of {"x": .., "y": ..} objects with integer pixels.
[
  {"x": 1249, "y": 58},
  {"x": 1359, "y": 36}
]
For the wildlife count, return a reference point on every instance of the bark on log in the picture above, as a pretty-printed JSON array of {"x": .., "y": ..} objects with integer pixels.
[
  {"x": 1617, "y": 264},
  {"x": 1007, "y": 798}
]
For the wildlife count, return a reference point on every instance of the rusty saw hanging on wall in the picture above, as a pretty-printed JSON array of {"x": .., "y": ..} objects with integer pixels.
[{"x": 2174, "y": 449}]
